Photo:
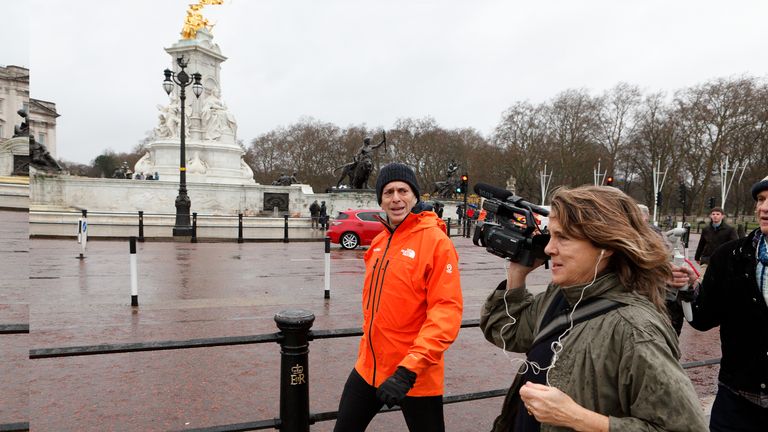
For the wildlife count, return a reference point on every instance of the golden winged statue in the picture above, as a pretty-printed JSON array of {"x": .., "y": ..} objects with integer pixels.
[{"x": 194, "y": 20}]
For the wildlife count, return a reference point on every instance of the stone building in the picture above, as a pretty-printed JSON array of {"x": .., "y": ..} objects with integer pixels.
[{"x": 14, "y": 95}]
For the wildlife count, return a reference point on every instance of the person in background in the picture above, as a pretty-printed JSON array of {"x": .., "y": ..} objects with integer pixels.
[
  {"x": 601, "y": 354},
  {"x": 314, "y": 213},
  {"x": 714, "y": 235},
  {"x": 734, "y": 296},
  {"x": 323, "y": 216},
  {"x": 412, "y": 306}
]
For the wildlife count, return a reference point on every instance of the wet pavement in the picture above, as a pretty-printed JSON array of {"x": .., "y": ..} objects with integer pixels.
[{"x": 202, "y": 290}]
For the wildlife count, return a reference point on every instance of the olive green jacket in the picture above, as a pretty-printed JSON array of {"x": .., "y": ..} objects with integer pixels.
[{"x": 622, "y": 364}]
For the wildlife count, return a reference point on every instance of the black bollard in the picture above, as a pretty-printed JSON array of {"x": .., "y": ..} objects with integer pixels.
[
  {"x": 194, "y": 227},
  {"x": 294, "y": 369},
  {"x": 449, "y": 228},
  {"x": 239, "y": 227},
  {"x": 327, "y": 267},
  {"x": 141, "y": 226},
  {"x": 285, "y": 229}
]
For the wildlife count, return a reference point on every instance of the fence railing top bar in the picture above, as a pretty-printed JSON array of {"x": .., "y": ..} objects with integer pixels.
[
  {"x": 146, "y": 214},
  {"x": 14, "y": 328},
  {"x": 151, "y": 346},
  {"x": 14, "y": 427},
  {"x": 239, "y": 427}
]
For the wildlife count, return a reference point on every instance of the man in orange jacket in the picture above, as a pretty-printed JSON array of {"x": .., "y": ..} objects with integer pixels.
[{"x": 412, "y": 307}]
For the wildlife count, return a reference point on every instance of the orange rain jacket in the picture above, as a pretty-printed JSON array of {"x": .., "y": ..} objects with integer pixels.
[{"x": 412, "y": 303}]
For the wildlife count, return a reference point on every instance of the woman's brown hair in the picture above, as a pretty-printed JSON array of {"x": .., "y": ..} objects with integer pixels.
[{"x": 611, "y": 220}]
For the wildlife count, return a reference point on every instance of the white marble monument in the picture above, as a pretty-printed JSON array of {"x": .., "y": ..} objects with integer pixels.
[{"x": 213, "y": 154}]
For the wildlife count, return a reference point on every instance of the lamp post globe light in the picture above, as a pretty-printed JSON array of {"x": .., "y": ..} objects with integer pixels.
[{"x": 182, "y": 227}]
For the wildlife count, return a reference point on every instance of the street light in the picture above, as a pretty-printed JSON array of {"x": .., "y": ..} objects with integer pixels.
[{"x": 182, "y": 227}]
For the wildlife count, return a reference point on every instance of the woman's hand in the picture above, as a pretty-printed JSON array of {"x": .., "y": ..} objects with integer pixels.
[
  {"x": 516, "y": 273},
  {"x": 682, "y": 276},
  {"x": 551, "y": 406}
]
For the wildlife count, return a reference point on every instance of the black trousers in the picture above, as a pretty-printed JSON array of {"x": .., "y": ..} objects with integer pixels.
[
  {"x": 359, "y": 405},
  {"x": 733, "y": 413}
]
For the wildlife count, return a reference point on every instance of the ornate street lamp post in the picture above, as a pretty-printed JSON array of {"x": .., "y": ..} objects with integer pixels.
[{"x": 182, "y": 227}]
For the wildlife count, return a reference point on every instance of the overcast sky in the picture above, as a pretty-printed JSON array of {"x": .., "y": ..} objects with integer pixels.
[{"x": 352, "y": 62}]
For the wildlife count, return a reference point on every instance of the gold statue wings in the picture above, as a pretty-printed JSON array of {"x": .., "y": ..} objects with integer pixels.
[{"x": 194, "y": 20}]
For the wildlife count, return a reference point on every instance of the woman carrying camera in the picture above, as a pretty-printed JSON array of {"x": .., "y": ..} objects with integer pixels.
[{"x": 601, "y": 354}]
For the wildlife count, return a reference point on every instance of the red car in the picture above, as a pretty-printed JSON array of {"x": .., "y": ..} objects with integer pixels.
[{"x": 353, "y": 228}]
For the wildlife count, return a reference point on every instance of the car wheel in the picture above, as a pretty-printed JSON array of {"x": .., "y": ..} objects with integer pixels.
[{"x": 349, "y": 240}]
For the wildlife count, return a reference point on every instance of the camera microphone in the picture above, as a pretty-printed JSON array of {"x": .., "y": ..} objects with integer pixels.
[
  {"x": 488, "y": 191},
  {"x": 492, "y": 192}
]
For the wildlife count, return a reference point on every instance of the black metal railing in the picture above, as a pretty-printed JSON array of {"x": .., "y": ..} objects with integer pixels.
[{"x": 294, "y": 337}]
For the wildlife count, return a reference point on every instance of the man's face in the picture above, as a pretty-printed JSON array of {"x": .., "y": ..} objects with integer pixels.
[
  {"x": 716, "y": 217},
  {"x": 761, "y": 211},
  {"x": 397, "y": 200}
]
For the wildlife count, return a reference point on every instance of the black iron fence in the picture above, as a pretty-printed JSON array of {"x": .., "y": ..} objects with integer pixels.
[{"x": 293, "y": 336}]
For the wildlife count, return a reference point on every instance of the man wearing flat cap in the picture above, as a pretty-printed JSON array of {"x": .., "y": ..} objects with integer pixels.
[
  {"x": 734, "y": 296},
  {"x": 412, "y": 307}
]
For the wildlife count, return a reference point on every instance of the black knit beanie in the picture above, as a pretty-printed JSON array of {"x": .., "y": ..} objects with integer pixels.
[
  {"x": 396, "y": 172},
  {"x": 757, "y": 188}
]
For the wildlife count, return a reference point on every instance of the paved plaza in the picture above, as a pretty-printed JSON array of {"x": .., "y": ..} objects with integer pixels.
[{"x": 203, "y": 290}]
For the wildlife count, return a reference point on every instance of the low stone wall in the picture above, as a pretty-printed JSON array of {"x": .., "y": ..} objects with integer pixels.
[
  {"x": 51, "y": 223},
  {"x": 112, "y": 195},
  {"x": 14, "y": 193}
]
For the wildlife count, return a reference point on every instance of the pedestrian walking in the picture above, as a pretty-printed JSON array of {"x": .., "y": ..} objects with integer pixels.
[
  {"x": 412, "y": 306},
  {"x": 323, "y": 216},
  {"x": 713, "y": 235},
  {"x": 601, "y": 355},
  {"x": 734, "y": 296},
  {"x": 314, "y": 213}
]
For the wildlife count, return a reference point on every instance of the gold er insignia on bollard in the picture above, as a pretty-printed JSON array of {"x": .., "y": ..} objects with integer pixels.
[{"x": 297, "y": 375}]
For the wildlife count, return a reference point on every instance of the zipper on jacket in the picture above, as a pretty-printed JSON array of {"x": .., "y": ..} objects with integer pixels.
[
  {"x": 373, "y": 312},
  {"x": 370, "y": 285}
]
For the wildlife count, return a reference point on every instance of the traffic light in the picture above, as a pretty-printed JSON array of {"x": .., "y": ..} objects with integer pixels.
[
  {"x": 659, "y": 199},
  {"x": 463, "y": 185},
  {"x": 711, "y": 202},
  {"x": 609, "y": 181},
  {"x": 682, "y": 192}
]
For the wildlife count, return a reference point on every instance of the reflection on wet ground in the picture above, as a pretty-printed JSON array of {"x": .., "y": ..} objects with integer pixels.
[{"x": 225, "y": 289}]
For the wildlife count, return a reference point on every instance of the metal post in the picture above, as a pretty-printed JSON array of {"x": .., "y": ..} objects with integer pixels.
[
  {"x": 134, "y": 273},
  {"x": 294, "y": 369},
  {"x": 194, "y": 227},
  {"x": 82, "y": 233},
  {"x": 239, "y": 227},
  {"x": 285, "y": 229},
  {"x": 327, "y": 267},
  {"x": 449, "y": 228},
  {"x": 141, "y": 226}
]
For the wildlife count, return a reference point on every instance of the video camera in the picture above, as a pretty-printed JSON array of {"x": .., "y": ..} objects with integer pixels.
[{"x": 514, "y": 235}]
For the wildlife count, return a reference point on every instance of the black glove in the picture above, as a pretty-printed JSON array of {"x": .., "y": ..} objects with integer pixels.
[{"x": 393, "y": 390}]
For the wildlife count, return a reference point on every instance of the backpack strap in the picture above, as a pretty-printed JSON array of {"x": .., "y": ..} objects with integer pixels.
[{"x": 586, "y": 312}]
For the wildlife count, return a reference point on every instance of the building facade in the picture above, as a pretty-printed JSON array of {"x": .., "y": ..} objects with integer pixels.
[{"x": 14, "y": 95}]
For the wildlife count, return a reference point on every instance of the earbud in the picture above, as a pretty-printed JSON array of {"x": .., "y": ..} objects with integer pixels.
[{"x": 602, "y": 252}]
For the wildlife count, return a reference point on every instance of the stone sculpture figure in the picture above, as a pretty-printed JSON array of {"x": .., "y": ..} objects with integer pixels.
[
  {"x": 169, "y": 119},
  {"x": 359, "y": 170},
  {"x": 217, "y": 120}
]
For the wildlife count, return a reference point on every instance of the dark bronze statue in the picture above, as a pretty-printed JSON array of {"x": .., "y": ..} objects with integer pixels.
[
  {"x": 40, "y": 158},
  {"x": 447, "y": 187},
  {"x": 359, "y": 170},
  {"x": 23, "y": 128},
  {"x": 285, "y": 180}
]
